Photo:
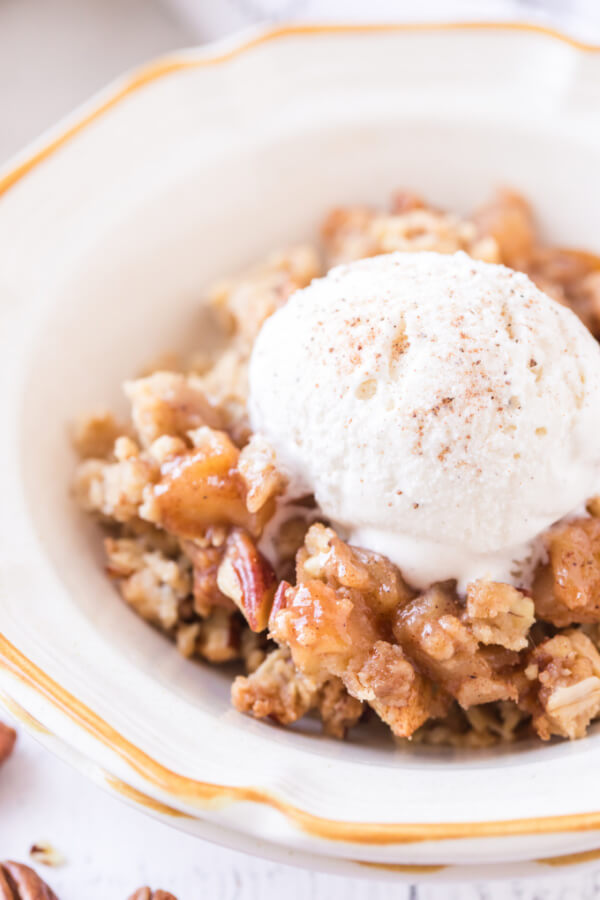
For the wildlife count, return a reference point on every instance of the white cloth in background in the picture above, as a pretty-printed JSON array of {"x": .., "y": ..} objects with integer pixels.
[{"x": 210, "y": 20}]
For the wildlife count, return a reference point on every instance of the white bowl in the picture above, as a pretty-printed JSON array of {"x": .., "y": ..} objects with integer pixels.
[{"x": 110, "y": 228}]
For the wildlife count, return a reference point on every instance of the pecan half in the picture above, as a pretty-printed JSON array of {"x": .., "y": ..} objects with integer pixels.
[
  {"x": 144, "y": 893},
  {"x": 19, "y": 882},
  {"x": 281, "y": 598},
  {"x": 247, "y": 578},
  {"x": 8, "y": 737}
]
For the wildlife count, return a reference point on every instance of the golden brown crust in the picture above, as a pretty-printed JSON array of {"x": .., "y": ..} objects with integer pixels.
[
  {"x": 499, "y": 614},
  {"x": 259, "y": 472},
  {"x": 567, "y": 590},
  {"x": 185, "y": 492},
  {"x": 393, "y": 687},
  {"x": 168, "y": 403},
  {"x": 203, "y": 487},
  {"x": 355, "y": 232},
  {"x": 563, "y": 694},
  {"x": 280, "y": 691},
  {"x": 336, "y": 620},
  {"x": 431, "y": 631}
]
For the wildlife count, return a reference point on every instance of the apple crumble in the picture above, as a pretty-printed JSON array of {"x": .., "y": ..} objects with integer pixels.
[{"x": 212, "y": 537}]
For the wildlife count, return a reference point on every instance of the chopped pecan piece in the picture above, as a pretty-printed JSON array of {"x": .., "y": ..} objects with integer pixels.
[
  {"x": 247, "y": 578},
  {"x": 46, "y": 854},
  {"x": 499, "y": 614},
  {"x": 8, "y": 736},
  {"x": 567, "y": 590},
  {"x": 19, "y": 882},
  {"x": 203, "y": 488},
  {"x": 564, "y": 688},
  {"x": 431, "y": 632}
]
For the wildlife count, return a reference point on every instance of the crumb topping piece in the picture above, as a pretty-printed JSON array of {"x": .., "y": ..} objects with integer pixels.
[
  {"x": 167, "y": 403},
  {"x": 280, "y": 691},
  {"x": 204, "y": 487},
  {"x": 184, "y": 491},
  {"x": 499, "y": 614},
  {"x": 335, "y": 622},
  {"x": 431, "y": 630},
  {"x": 564, "y": 691},
  {"x": 567, "y": 589}
]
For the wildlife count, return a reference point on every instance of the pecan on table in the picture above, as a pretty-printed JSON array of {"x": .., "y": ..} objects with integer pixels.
[
  {"x": 8, "y": 737},
  {"x": 19, "y": 882},
  {"x": 144, "y": 893}
]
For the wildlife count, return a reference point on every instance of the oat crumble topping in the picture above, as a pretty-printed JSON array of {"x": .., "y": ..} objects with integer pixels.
[{"x": 186, "y": 495}]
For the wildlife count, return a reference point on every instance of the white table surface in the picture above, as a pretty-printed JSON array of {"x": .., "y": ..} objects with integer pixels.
[
  {"x": 110, "y": 849},
  {"x": 53, "y": 54}
]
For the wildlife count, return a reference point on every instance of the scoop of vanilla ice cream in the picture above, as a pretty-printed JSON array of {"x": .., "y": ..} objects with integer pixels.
[{"x": 443, "y": 411}]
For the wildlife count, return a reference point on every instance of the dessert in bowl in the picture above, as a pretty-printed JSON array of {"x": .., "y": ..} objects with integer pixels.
[
  {"x": 381, "y": 491},
  {"x": 130, "y": 210}
]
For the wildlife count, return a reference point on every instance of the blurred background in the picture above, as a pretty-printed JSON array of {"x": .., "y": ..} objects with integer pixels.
[{"x": 55, "y": 53}]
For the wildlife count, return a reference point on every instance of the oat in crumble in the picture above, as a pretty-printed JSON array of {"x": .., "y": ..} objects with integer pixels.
[{"x": 187, "y": 496}]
